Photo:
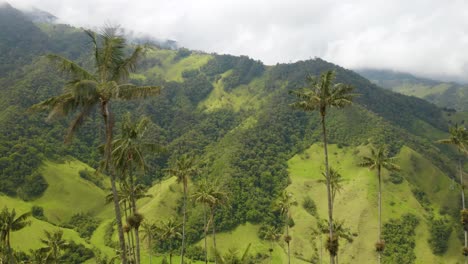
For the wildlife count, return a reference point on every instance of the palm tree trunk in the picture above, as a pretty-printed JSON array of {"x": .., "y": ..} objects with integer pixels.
[
  {"x": 149, "y": 248},
  {"x": 463, "y": 200},
  {"x": 287, "y": 237},
  {"x": 108, "y": 151},
  {"x": 134, "y": 209},
  {"x": 380, "y": 210},
  {"x": 329, "y": 198},
  {"x": 214, "y": 235},
  {"x": 205, "y": 230},
  {"x": 183, "y": 226}
]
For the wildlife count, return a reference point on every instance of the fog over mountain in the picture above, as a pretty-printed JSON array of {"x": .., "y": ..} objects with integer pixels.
[{"x": 426, "y": 38}]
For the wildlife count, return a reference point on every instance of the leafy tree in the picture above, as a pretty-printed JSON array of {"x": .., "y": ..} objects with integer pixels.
[
  {"x": 9, "y": 222},
  {"x": 88, "y": 90},
  {"x": 54, "y": 244},
  {"x": 284, "y": 204},
  {"x": 183, "y": 169},
  {"x": 320, "y": 95},
  {"x": 377, "y": 160}
]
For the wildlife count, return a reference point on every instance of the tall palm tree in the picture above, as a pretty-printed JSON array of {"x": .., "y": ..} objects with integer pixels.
[
  {"x": 9, "y": 222},
  {"x": 272, "y": 234},
  {"x": 53, "y": 245},
  {"x": 320, "y": 95},
  {"x": 221, "y": 198},
  {"x": 341, "y": 232},
  {"x": 169, "y": 231},
  {"x": 379, "y": 159},
  {"x": 183, "y": 169},
  {"x": 204, "y": 196},
  {"x": 458, "y": 137},
  {"x": 128, "y": 154},
  {"x": 149, "y": 232},
  {"x": 284, "y": 204},
  {"x": 88, "y": 90},
  {"x": 335, "y": 183}
]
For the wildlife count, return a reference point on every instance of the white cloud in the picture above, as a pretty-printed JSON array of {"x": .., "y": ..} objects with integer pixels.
[{"x": 428, "y": 38}]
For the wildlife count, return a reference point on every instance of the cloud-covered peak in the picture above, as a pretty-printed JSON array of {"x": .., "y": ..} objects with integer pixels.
[{"x": 427, "y": 38}]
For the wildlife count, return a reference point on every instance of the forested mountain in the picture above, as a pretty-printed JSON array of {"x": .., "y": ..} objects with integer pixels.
[
  {"x": 443, "y": 94},
  {"x": 232, "y": 113}
]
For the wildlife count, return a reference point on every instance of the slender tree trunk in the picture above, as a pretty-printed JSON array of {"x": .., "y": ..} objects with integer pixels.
[
  {"x": 170, "y": 257},
  {"x": 287, "y": 237},
  {"x": 205, "y": 231},
  {"x": 336, "y": 257},
  {"x": 329, "y": 198},
  {"x": 463, "y": 200},
  {"x": 108, "y": 151},
  {"x": 134, "y": 209},
  {"x": 214, "y": 235},
  {"x": 150, "y": 248},
  {"x": 380, "y": 210},
  {"x": 321, "y": 250},
  {"x": 183, "y": 225}
]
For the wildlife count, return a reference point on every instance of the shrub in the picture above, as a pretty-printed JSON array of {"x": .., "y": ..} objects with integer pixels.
[
  {"x": 396, "y": 178},
  {"x": 38, "y": 212},
  {"x": 440, "y": 231},
  {"x": 33, "y": 187},
  {"x": 91, "y": 177},
  {"x": 84, "y": 224},
  {"x": 310, "y": 206}
]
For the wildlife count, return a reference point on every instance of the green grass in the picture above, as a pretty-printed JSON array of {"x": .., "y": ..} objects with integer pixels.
[
  {"x": 172, "y": 70},
  {"x": 357, "y": 202},
  {"x": 245, "y": 97},
  {"x": 68, "y": 193}
]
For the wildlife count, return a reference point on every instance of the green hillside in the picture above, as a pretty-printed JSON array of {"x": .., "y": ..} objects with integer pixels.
[
  {"x": 444, "y": 94},
  {"x": 232, "y": 113}
]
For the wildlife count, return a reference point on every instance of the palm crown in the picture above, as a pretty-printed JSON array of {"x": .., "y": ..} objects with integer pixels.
[
  {"x": 108, "y": 81},
  {"x": 321, "y": 94},
  {"x": 458, "y": 137}
]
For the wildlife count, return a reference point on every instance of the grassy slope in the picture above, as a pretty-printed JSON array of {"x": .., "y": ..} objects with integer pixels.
[
  {"x": 357, "y": 203},
  {"x": 171, "y": 69}
]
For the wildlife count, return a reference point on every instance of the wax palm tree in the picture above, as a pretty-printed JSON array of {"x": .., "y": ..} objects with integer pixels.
[
  {"x": 221, "y": 198},
  {"x": 377, "y": 160},
  {"x": 169, "y": 231},
  {"x": 272, "y": 234},
  {"x": 88, "y": 90},
  {"x": 127, "y": 155},
  {"x": 183, "y": 169},
  {"x": 458, "y": 137},
  {"x": 149, "y": 232},
  {"x": 320, "y": 95},
  {"x": 284, "y": 204},
  {"x": 340, "y": 232},
  {"x": 336, "y": 181},
  {"x": 204, "y": 196},
  {"x": 53, "y": 245},
  {"x": 9, "y": 222}
]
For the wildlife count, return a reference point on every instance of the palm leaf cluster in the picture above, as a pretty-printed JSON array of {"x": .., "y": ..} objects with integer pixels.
[{"x": 94, "y": 89}]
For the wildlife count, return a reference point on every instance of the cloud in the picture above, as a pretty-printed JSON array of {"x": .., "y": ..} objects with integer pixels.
[{"x": 423, "y": 37}]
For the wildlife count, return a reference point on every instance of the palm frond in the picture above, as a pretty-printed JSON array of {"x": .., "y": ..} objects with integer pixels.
[
  {"x": 128, "y": 65},
  {"x": 68, "y": 66},
  {"x": 130, "y": 91}
]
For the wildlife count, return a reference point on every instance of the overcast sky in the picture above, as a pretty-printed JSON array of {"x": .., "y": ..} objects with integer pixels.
[{"x": 423, "y": 37}]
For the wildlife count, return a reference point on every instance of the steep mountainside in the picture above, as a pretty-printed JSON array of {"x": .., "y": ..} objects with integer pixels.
[{"x": 233, "y": 114}]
